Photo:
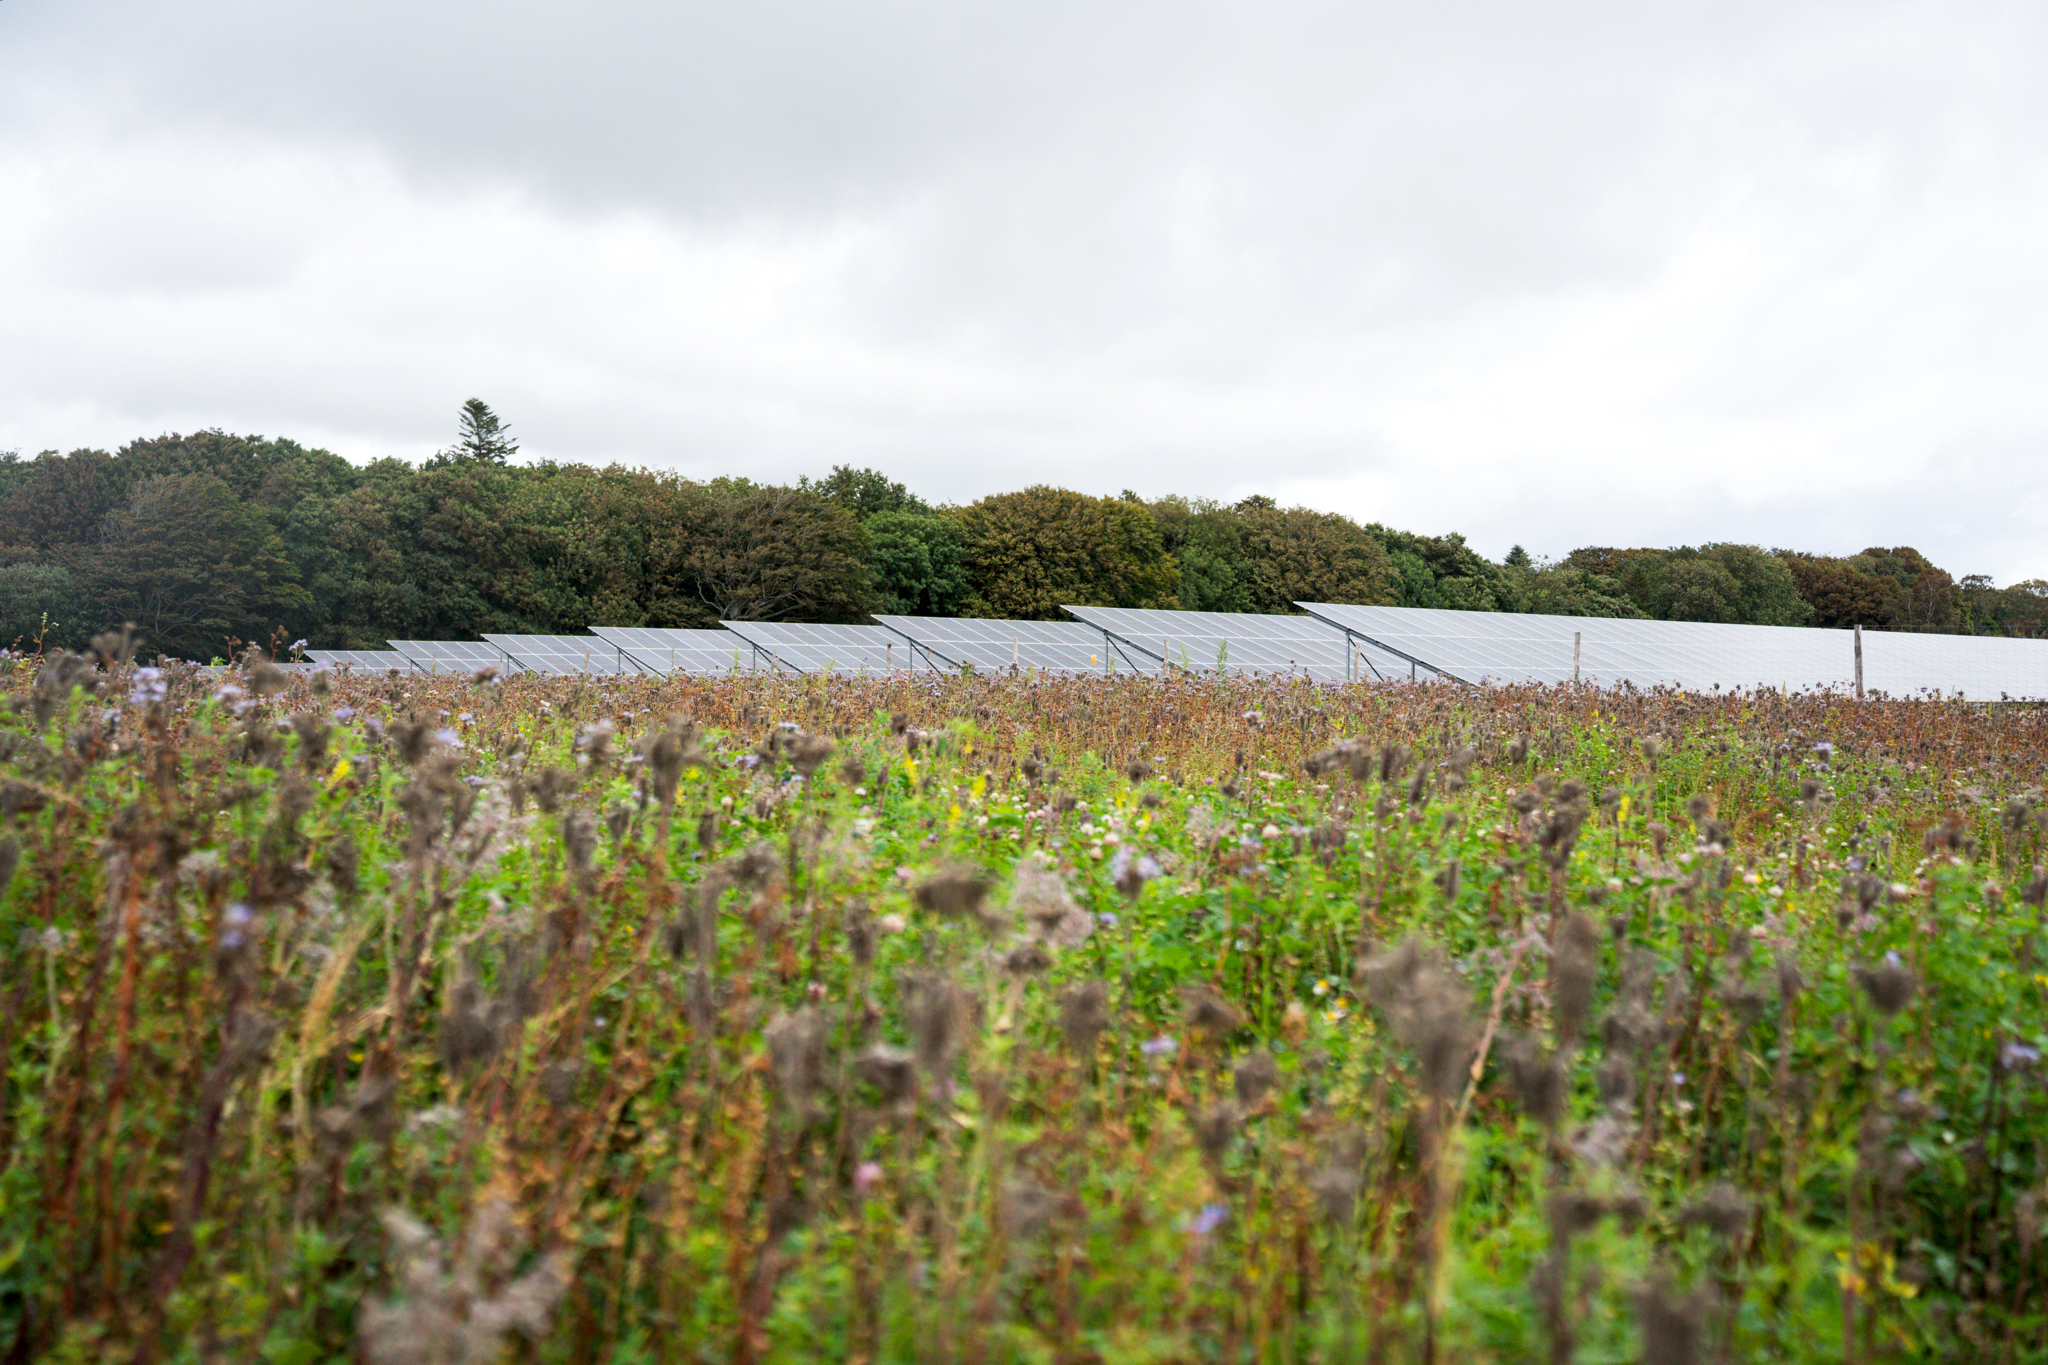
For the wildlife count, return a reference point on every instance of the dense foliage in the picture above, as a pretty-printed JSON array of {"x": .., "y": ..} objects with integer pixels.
[
  {"x": 207, "y": 540},
  {"x": 1013, "y": 1019}
]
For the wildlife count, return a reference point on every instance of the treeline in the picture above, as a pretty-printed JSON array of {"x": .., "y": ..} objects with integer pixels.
[{"x": 208, "y": 539}]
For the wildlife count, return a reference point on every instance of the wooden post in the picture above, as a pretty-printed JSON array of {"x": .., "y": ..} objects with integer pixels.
[
  {"x": 889, "y": 655},
  {"x": 1859, "y": 661},
  {"x": 1578, "y": 637},
  {"x": 1013, "y": 651}
]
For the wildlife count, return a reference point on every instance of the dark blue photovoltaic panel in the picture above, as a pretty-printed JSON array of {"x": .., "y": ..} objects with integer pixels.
[
  {"x": 828, "y": 649},
  {"x": 1500, "y": 647},
  {"x": 1239, "y": 642},
  {"x": 666, "y": 651},
  {"x": 989, "y": 645}
]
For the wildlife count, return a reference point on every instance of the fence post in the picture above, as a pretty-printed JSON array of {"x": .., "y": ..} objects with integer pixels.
[
  {"x": 1578, "y": 637},
  {"x": 1859, "y": 661}
]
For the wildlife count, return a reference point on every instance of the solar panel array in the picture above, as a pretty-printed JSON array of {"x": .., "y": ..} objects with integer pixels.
[
  {"x": 1496, "y": 647},
  {"x": 360, "y": 660},
  {"x": 449, "y": 656},
  {"x": 563, "y": 653},
  {"x": 1333, "y": 642},
  {"x": 827, "y": 649},
  {"x": 1238, "y": 642},
  {"x": 988, "y": 645},
  {"x": 682, "y": 651}
]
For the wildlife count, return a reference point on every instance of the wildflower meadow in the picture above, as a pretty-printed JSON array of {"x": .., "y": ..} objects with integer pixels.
[{"x": 1012, "y": 1018}]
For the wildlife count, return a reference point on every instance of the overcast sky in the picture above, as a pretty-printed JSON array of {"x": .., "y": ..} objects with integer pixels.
[{"x": 1557, "y": 274}]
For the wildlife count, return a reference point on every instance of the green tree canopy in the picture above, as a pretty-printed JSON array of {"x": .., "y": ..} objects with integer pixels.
[
  {"x": 191, "y": 566},
  {"x": 778, "y": 554},
  {"x": 480, "y": 436},
  {"x": 864, "y": 492},
  {"x": 1296, "y": 554},
  {"x": 1030, "y": 552},
  {"x": 919, "y": 563}
]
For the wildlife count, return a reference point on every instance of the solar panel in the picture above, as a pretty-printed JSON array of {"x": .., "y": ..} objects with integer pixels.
[
  {"x": 360, "y": 660},
  {"x": 682, "y": 651},
  {"x": 449, "y": 656},
  {"x": 560, "y": 654},
  {"x": 821, "y": 649},
  {"x": 1239, "y": 642},
  {"x": 1498, "y": 647},
  {"x": 988, "y": 645}
]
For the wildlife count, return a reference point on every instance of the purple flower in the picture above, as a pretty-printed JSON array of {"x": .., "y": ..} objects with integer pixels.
[
  {"x": 298, "y": 645},
  {"x": 448, "y": 737},
  {"x": 1108, "y": 918},
  {"x": 866, "y": 1176},
  {"x": 1162, "y": 1046},
  {"x": 2016, "y": 1055},
  {"x": 1210, "y": 1217},
  {"x": 342, "y": 713}
]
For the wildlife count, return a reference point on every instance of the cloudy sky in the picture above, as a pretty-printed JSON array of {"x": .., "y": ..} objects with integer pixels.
[{"x": 1560, "y": 274}]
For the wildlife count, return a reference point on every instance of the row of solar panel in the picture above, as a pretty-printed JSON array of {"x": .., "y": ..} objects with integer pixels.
[
  {"x": 1332, "y": 642},
  {"x": 1104, "y": 640}
]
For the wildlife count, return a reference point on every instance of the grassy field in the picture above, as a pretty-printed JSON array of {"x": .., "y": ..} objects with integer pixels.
[{"x": 1013, "y": 1019}]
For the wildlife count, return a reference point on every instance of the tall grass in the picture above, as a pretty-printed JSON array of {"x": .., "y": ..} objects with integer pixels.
[{"x": 993, "y": 1019}]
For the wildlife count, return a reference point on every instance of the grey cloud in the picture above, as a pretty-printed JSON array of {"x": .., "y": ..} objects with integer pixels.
[{"x": 1556, "y": 274}]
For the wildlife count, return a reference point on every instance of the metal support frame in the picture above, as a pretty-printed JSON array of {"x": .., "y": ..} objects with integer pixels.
[
  {"x": 1413, "y": 662},
  {"x": 1119, "y": 645}
]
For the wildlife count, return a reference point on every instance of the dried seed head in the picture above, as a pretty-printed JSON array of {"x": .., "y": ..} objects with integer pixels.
[
  {"x": 1539, "y": 1080},
  {"x": 1671, "y": 1324},
  {"x": 932, "y": 1009},
  {"x": 1336, "y": 1182},
  {"x": 1574, "y": 968},
  {"x": 1084, "y": 1014},
  {"x": 807, "y": 754},
  {"x": 1138, "y": 770},
  {"x": 1207, "y": 1012},
  {"x": 1027, "y": 1208},
  {"x": 672, "y": 749},
  {"x": 1630, "y": 1206},
  {"x": 1429, "y": 1009},
  {"x": 1617, "y": 1081},
  {"x": 1660, "y": 835},
  {"x": 1324, "y": 763},
  {"x": 1573, "y": 1213},
  {"x": 1026, "y": 959},
  {"x": 1216, "y": 1128},
  {"x": 1699, "y": 808},
  {"x": 1723, "y": 1209},
  {"x": 796, "y": 1045},
  {"x": 548, "y": 789},
  {"x": 758, "y": 865},
  {"x": 860, "y": 932},
  {"x": 579, "y": 837},
  {"x": 1040, "y": 898},
  {"x": 1890, "y": 987},
  {"x": 890, "y": 1070},
  {"x": 1255, "y": 1077},
  {"x": 955, "y": 890},
  {"x": 707, "y": 830},
  {"x": 266, "y": 679},
  {"x": 617, "y": 821},
  {"x": 1393, "y": 761}
]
